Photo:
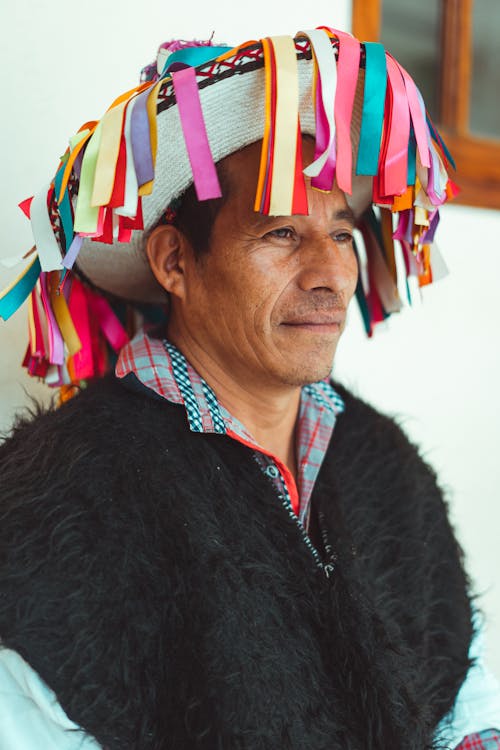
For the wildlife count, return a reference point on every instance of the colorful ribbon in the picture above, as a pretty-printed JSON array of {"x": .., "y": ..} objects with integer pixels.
[
  {"x": 372, "y": 119},
  {"x": 417, "y": 115},
  {"x": 64, "y": 205},
  {"x": 192, "y": 57},
  {"x": 322, "y": 169},
  {"x": 19, "y": 290},
  {"x": 46, "y": 243},
  {"x": 56, "y": 343},
  {"x": 86, "y": 215},
  {"x": 286, "y": 119},
  {"x": 262, "y": 195},
  {"x": 281, "y": 187},
  {"x": 38, "y": 340},
  {"x": 206, "y": 181},
  {"x": 140, "y": 138},
  {"x": 72, "y": 254},
  {"x": 107, "y": 157},
  {"x": 77, "y": 143},
  {"x": 129, "y": 206},
  {"x": 395, "y": 164},
  {"x": 347, "y": 72},
  {"x": 107, "y": 321},
  {"x": 63, "y": 316},
  {"x": 81, "y": 364}
]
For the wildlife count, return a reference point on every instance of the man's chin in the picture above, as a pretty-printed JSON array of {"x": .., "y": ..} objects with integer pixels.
[{"x": 308, "y": 372}]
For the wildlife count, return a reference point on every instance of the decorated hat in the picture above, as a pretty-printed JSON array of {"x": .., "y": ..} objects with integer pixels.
[{"x": 88, "y": 282}]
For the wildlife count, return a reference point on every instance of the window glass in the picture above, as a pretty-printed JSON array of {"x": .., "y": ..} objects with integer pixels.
[
  {"x": 410, "y": 31},
  {"x": 485, "y": 89}
]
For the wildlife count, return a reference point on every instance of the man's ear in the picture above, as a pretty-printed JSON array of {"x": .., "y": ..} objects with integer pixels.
[{"x": 165, "y": 249}]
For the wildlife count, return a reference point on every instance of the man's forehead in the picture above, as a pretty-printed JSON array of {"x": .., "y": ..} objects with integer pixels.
[
  {"x": 240, "y": 172},
  {"x": 343, "y": 213}
]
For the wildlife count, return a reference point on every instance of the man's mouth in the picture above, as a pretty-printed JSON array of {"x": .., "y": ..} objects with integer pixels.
[{"x": 317, "y": 323}]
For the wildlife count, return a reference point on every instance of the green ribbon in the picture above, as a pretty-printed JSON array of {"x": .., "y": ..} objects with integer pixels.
[
  {"x": 193, "y": 56},
  {"x": 64, "y": 208},
  {"x": 15, "y": 297},
  {"x": 373, "y": 109}
]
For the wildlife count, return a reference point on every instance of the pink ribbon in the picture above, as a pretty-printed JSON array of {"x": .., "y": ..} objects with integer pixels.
[
  {"x": 82, "y": 361},
  {"x": 108, "y": 321},
  {"x": 417, "y": 117},
  {"x": 396, "y": 162},
  {"x": 324, "y": 181},
  {"x": 322, "y": 169},
  {"x": 205, "y": 178},
  {"x": 348, "y": 68},
  {"x": 56, "y": 343},
  {"x": 38, "y": 345},
  {"x": 404, "y": 230}
]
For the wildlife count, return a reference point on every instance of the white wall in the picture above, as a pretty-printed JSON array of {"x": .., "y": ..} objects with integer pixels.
[{"x": 439, "y": 367}]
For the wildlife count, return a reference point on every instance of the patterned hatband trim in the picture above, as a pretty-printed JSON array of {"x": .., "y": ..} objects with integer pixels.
[{"x": 244, "y": 61}]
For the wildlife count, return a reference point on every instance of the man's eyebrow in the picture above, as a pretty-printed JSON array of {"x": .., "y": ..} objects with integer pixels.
[{"x": 345, "y": 214}]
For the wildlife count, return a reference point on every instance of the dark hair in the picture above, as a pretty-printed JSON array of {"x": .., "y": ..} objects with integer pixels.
[{"x": 195, "y": 219}]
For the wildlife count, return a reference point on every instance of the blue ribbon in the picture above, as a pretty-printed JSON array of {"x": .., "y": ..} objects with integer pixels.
[
  {"x": 437, "y": 137},
  {"x": 15, "y": 297},
  {"x": 373, "y": 109},
  {"x": 64, "y": 208},
  {"x": 412, "y": 159},
  {"x": 192, "y": 57}
]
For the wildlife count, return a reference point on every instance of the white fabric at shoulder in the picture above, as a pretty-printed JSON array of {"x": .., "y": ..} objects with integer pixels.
[
  {"x": 477, "y": 707},
  {"x": 30, "y": 716}
]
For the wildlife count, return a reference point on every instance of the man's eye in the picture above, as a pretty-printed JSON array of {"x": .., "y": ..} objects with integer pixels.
[
  {"x": 343, "y": 237},
  {"x": 283, "y": 233}
]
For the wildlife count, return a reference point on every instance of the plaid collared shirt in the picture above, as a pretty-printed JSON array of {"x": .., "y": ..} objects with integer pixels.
[
  {"x": 159, "y": 365},
  {"x": 489, "y": 740}
]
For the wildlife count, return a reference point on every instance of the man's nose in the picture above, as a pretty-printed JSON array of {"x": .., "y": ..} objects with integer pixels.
[{"x": 326, "y": 263}]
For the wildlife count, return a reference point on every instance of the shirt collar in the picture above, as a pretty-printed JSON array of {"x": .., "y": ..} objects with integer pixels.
[{"x": 160, "y": 366}]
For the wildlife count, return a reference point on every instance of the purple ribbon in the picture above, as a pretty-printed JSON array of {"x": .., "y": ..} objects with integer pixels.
[
  {"x": 141, "y": 139},
  {"x": 206, "y": 181},
  {"x": 73, "y": 251},
  {"x": 428, "y": 236}
]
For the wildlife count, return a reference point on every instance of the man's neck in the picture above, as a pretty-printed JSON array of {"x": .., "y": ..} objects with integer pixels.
[{"x": 268, "y": 412}]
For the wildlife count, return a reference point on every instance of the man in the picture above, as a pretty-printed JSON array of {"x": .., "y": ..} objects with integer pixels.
[{"x": 217, "y": 547}]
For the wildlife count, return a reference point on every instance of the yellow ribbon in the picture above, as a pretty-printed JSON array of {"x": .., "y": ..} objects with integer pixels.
[
  {"x": 104, "y": 178},
  {"x": 76, "y": 142},
  {"x": 285, "y": 134},
  {"x": 31, "y": 323},
  {"x": 267, "y": 124},
  {"x": 86, "y": 215},
  {"x": 147, "y": 188},
  {"x": 63, "y": 316}
]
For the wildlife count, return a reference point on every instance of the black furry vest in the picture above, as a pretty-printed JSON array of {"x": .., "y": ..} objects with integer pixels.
[{"x": 155, "y": 581}]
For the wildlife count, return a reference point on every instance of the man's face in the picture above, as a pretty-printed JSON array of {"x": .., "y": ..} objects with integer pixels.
[{"x": 268, "y": 301}]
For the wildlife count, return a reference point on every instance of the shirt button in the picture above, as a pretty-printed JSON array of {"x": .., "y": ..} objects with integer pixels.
[{"x": 272, "y": 471}]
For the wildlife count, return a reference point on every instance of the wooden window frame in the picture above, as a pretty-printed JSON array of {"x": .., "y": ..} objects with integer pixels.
[{"x": 477, "y": 159}]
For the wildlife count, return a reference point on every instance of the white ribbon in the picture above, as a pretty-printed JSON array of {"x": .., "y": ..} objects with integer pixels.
[
  {"x": 46, "y": 243},
  {"x": 327, "y": 73}
]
